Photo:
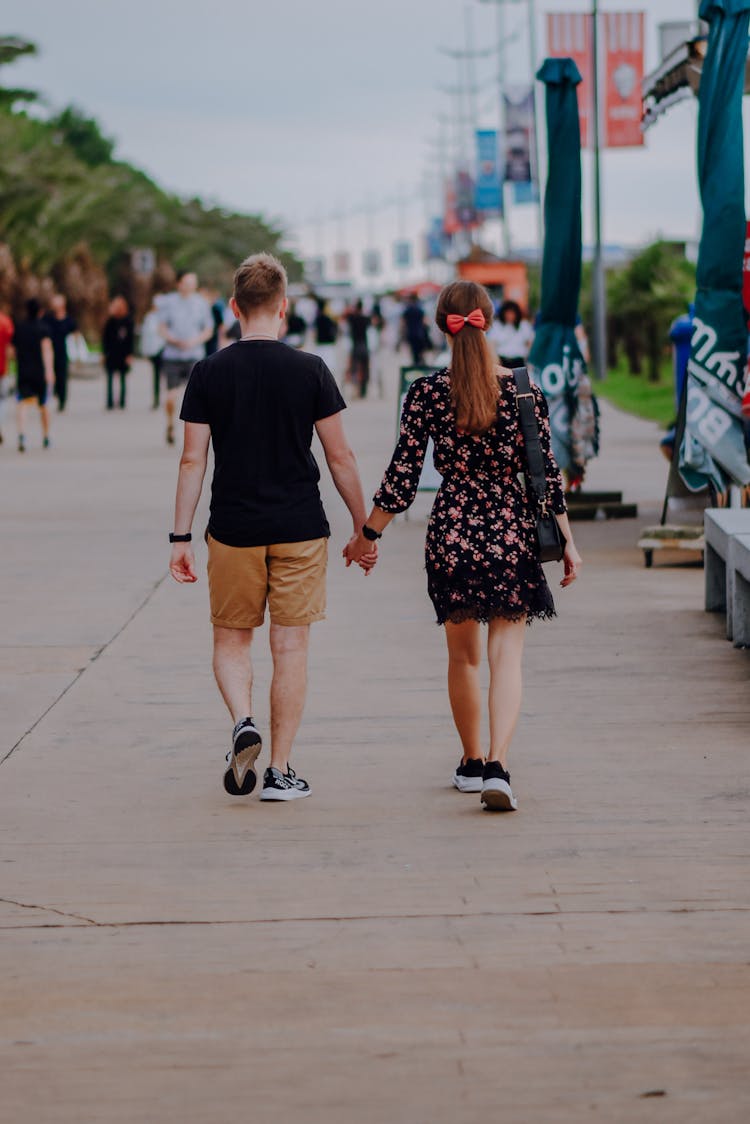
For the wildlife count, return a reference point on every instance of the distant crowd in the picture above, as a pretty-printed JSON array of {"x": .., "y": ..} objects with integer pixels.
[{"x": 189, "y": 323}]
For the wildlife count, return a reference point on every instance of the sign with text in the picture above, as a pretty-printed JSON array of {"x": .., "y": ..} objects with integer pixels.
[
  {"x": 624, "y": 34},
  {"x": 488, "y": 198},
  {"x": 569, "y": 36}
]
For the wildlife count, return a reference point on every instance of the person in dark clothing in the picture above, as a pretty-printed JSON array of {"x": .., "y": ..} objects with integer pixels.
[
  {"x": 415, "y": 330},
  {"x": 296, "y": 328},
  {"x": 117, "y": 347},
  {"x": 217, "y": 315},
  {"x": 359, "y": 359},
  {"x": 60, "y": 326},
  {"x": 35, "y": 366}
]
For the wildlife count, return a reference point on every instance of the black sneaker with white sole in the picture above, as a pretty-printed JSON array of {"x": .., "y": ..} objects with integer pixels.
[
  {"x": 468, "y": 775},
  {"x": 240, "y": 778},
  {"x": 283, "y": 786},
  {"x": 497, "y": 794}
]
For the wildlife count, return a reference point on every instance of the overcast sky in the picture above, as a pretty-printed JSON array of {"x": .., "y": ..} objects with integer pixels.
[{"x": 305, "y": 108}]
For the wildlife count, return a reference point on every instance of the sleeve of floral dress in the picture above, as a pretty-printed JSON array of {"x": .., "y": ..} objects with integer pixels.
[
  {"x": 399, "y": 485},
  {"x": 555, "y": 490}
]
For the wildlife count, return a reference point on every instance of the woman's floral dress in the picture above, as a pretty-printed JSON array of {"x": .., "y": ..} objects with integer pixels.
[{"x": 480, "y": 552}]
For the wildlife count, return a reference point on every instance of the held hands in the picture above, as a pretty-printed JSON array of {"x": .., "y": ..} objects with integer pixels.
[
  {"x": 182, "y": 563},
  {"x": 362, "y": 551},
  {"x": 573, "y": 563}
]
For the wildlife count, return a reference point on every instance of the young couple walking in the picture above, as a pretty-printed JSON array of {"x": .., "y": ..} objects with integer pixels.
[{"x": 259, "y": 402}]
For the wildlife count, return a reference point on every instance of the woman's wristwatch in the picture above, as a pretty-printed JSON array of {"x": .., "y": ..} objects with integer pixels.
[
  {"x": 180, "y": 538},
  {"x": 370, "y": 534}
]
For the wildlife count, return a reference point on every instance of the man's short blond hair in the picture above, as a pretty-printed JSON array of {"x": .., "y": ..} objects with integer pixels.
[{"x": 260, "y": 282}]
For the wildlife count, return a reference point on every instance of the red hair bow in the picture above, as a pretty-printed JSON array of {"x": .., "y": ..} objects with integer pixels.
[{"x": 455, "y": 323}]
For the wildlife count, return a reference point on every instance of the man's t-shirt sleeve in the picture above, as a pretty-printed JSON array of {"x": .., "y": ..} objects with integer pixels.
[
  {"x": 329, "y": 399},
  {"x": 194, "y": 404}
]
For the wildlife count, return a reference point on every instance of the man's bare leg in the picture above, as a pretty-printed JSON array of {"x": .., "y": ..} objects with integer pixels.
[
  {"x": 233, "y": 669},
  {"x": 289, "y": 645}
]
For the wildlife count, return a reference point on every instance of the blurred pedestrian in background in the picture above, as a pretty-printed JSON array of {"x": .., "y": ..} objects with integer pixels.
[
  {"x": 186, "y": 324},
  {"x": 325, "y": 330},
  {"x": 415, "y": 332},
  {"x": 358, "y": 371},
  {"x": 60, "y": 325},
  {"x": 118, "y": 340},
  {"x": 511, "y": 335},
  {"x": 35, "y": 365},
  {"x": 152, "y": 348},
  {"x": 6, "y": 335},
  {"x": 296, "y": 328}
]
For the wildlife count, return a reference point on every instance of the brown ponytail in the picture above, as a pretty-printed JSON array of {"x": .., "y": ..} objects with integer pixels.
[{"x": 473, "y": 372}]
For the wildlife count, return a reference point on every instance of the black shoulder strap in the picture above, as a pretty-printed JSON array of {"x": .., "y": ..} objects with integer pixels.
[{"x": 530, "y": 433}]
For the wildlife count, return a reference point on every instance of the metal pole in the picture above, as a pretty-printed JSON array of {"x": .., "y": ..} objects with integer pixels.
[
  {"x": 504, "y": 218},
  {"x": 599, "y": 286},
  {"x": 533, "y": 63}
]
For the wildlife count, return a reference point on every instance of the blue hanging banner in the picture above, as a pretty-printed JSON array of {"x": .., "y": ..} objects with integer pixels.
[
  {"x": 488, "y": 190},
  {"x": 402, "y": 253},
  {"x": 435, "y": 240}
]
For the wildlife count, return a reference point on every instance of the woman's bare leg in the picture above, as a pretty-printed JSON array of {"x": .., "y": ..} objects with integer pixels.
[
  {"x": 505, "y": 652},
  {"x": 464, "y": 689}
]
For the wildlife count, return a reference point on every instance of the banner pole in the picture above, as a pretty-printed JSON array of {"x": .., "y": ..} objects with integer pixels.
[
  {"x": 599, "y": 286},
  {"x": 535, "y": 148}
]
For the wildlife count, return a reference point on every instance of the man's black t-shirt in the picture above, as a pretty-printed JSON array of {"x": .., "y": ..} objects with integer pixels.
[
  {"x": 261, "y": 400},
  {"x": 27, "y": 341}
]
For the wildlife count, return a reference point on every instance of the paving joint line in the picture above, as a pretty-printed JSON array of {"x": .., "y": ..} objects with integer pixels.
[
  {"x": 99, "y": 651},
  {"x": 91, "y": 922}
]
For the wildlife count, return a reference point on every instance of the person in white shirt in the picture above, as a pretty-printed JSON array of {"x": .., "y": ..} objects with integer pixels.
[
  {"x": 186, "y": 323},
  {"x": 511, "y": 335}
]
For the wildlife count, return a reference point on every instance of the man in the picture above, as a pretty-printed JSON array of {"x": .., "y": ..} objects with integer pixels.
[
  {"x": 415, "y": 330},
  {"x": 186, "y": 325},
  {"x": 60, "y": 326},
  {"x": 35, "y": 367},
  {"x": 259, "y": 402},
  {"x": 6, "y": 336},
  {"x": 359, "y": 359}
]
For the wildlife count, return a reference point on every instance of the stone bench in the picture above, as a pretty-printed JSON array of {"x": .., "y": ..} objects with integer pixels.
[
  {"x": 727, "y": 569},
  {"x": 738, "y": 591}
]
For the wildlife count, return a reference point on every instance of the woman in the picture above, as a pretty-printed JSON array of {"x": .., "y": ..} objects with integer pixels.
[
  {"x": 35, "y": 366},
  {"x": 481, "y": 558},
  {"x": 511, "y": 336},
  {"x": 118, "y": 340}
]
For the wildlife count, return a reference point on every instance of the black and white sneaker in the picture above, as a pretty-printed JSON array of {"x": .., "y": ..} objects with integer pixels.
[
  {"x": 468, "y": 775},
  {"x": 240, "y": 778},
  {"x": 497, "y": 795},
  {"x": 283, "y": 786}
]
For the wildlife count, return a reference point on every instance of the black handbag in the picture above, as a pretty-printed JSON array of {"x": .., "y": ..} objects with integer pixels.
[{"x": 551, "y": 540}]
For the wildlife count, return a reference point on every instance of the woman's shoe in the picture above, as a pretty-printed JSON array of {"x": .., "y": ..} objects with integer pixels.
[
  {"x": 497, "y": 795},
  {"x": 468, "y": 775}
]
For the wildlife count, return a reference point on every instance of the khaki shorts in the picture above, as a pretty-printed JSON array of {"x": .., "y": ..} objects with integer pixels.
[{"x": 290, "y": 576}]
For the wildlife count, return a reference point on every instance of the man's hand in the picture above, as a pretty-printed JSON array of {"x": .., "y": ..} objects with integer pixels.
[
  {"x": 362, "y": 551},
  {"x": 182, "y": 563}
]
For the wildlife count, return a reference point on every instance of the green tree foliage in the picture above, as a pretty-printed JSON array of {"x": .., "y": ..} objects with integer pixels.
[
  {"x": 61, "y": 189},
  {"x": 84, "y": 136},
  {"x": 12, "y": 48},
  {"x": 643, "y": 298}
]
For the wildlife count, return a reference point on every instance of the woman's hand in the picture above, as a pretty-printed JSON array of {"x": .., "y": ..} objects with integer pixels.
[
  {"x": 362, "y": 551},
  {"x": 573, "y": 563}
]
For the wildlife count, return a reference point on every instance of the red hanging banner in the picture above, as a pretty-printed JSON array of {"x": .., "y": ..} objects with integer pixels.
[
  {"x": 623, "y": 37},
  {"x": 569, "y": 36}
]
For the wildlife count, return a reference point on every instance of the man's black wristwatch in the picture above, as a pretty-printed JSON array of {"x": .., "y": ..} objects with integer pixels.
[
  {"x": 370, "y": 534},
  {"x": 180, "y": 538}
]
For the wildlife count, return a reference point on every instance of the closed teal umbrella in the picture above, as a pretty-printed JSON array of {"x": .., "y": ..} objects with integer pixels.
[
  {"x": 555, "y": 358},
  {"x": 713, "y": 450}
]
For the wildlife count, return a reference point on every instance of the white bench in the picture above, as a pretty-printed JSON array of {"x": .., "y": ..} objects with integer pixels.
[{"x": 727, "y": 569}]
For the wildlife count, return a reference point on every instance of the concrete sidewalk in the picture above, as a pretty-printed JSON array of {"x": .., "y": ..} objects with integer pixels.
[{"x": 383, "y": 952}]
